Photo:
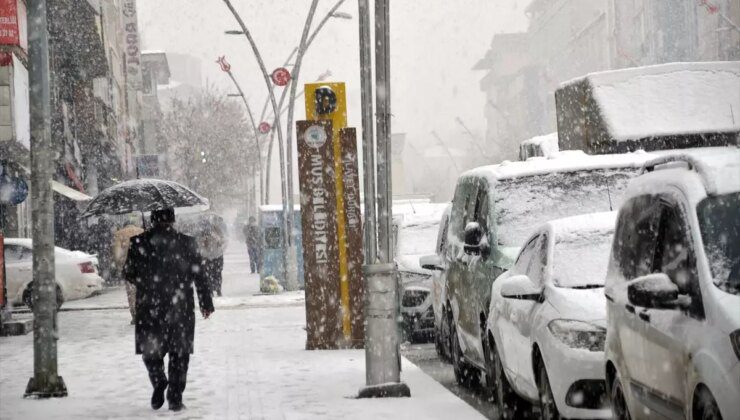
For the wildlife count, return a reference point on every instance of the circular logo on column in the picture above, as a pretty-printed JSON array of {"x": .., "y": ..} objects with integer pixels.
[{"x": 315, "y": 136}]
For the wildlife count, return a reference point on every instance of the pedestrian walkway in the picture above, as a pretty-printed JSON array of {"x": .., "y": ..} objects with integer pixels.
[{"x": 249, "y": 363}]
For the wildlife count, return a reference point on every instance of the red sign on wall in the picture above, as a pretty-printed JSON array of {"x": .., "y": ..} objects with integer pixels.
[{"x": 9, "y": 33}]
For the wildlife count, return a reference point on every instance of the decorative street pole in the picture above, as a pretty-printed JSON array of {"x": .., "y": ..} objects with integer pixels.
[
  {"x": 226, "y": 67},
  {"x": 287, "y": 213},
  {"x": 46, "y": 382}
]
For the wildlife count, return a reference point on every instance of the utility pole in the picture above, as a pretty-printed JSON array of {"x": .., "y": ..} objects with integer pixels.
[
  {"x": 46, "y": 382},
  {"x": 382, "y": 355}
]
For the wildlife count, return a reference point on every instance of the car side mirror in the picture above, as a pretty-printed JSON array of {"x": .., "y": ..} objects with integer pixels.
[
  {"x": 656, "y": 291},
  {"x": 520, "y": 287},
  {"x": 431, "y": 262},
  {"x": 476, "y": 242}
]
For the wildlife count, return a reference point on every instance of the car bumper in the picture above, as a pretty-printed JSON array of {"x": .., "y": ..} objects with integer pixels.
[
  {"x": 92, "y": 283},
  {"x": 577, "y": 381},
  {"x": 418, "y": 321}
]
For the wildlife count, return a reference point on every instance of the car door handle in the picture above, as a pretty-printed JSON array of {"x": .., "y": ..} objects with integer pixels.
[
  {"x": 644, "y": 316},
  {"x": 630, "y": 308}
]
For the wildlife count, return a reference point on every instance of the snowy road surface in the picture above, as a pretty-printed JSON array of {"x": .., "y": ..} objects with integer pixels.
[{"x": 249, "y": 363}]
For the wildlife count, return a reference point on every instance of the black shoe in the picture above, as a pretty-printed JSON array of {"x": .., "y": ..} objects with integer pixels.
[
  {"x": 179, "y": 406},
  {"x": 158, "y": 397}
]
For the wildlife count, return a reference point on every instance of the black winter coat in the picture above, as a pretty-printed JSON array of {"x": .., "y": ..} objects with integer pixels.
[{"x": 163, "y": 265}]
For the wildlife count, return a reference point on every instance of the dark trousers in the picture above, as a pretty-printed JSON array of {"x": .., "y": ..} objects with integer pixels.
[
  {"x": 254, "y": 259},
  {"x": 177, "y": 376}
]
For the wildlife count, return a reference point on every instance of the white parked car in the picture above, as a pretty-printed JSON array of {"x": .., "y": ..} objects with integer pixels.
[
  {"x": 547, "y": 323},
  {"x": 673, "y": 290},
  {"x": 416, "y": 237},
  {"x": 76, "y": 272}
]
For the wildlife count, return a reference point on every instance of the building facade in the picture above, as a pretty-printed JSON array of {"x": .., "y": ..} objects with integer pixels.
[{"x": 567, "y": 39}]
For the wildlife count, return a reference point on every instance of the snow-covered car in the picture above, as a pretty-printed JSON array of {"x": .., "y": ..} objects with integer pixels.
[
  {"x": 416, "y": 236},
  {"x": 673, "y": 290},
  {"x": 76, "y": 273},
  {"x": 494, "y": 210},
  {"x": 435, "y": 264},
  {"x": 547, "y": 322}
]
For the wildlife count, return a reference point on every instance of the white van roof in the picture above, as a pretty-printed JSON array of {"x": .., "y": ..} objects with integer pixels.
[
  {"x": 718, "y": 167},
  {"x": 565, "y": 161}
]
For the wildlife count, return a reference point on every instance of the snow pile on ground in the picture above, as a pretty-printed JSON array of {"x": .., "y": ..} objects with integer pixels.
[
  {"x": 676, "y": 98},
  {"x": 250, "y": 362}
]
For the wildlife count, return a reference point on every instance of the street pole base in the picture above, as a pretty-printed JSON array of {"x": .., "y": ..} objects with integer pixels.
[
  {"x": 57, "y": 390},
  {"x": 387, "y": 390}
]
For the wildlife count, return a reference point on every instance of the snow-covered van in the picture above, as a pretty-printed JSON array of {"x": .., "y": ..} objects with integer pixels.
[{"x": 673, "y": 290}]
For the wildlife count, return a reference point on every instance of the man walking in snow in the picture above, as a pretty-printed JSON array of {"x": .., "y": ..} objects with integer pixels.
[
  {"x": 163, "y": 265},
  {"x": 252, "y": 236}
]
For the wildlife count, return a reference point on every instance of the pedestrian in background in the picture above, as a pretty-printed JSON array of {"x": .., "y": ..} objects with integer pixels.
[
  {"x": 121, "y": 240},
  {"x": 163, "y": 265},
  {"x": 254, "y": 247}
]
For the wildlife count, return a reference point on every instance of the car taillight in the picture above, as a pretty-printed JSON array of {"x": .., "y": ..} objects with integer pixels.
[{"x": 86, "y": 267}]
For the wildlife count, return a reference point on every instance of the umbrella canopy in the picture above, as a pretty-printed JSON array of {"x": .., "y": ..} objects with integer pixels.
[{"x": 142, "y": 195}]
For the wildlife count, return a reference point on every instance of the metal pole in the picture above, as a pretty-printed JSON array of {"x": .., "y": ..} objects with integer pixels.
[
  {"x": 368, "y": 145},
  {"x": 46, "y": 382},
  {"x": 292, "y": 271},
  {"x": 286, "y": 212},
  {"x": 382, "y": 355},
  {"x": 282, "y": 97},
  {"x": 254, "y": 129}
]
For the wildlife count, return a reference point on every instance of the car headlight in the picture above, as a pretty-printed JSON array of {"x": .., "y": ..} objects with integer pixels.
[{"x": 578, "y": 334}]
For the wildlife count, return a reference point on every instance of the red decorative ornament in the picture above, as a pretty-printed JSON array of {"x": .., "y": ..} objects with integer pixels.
[
  {"x": 225, "y": 66},
  {"x": 264, "y": 127},
  {"x": 281, "y": 76}
]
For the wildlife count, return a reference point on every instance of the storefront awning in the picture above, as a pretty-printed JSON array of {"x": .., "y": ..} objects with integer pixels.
[{"x": 68, "y": 192}]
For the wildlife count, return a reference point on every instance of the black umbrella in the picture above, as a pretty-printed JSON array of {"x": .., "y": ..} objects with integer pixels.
[{"x": 142, "y": 195}]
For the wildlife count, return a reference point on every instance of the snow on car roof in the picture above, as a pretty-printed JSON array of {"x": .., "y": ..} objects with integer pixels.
[
  {"x": 592, "y": 222},
  {"x": 565, "y": 161},
  {"x": 668, "y": 99},
  {"x": 28, "y": 243},
  {"x": 718, "y": 167}
]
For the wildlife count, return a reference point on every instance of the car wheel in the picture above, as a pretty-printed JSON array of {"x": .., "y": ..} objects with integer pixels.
[
  {"x": 443, "y": 337},
  {"x": 509, "y": 404},
  {"x": 465, "y": 374},
  {"x": 619, "y": 403},
  {"x": 489, "y": 374},
  {"x": 28, "y": 297},
  {"x": 705, "y": 406},
  {"x": 548, "y": 408},
  {"x": 60, "y": 297}
]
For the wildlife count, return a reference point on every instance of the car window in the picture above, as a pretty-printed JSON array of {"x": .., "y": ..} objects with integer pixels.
[
  {"x": 458, "y": 217},
  {"x": 719, "y": 222},
  {"x": 674, "y": 254},
  {"x": 538, "y": 262},
  {"x": 16, "y": 253},
  {"x": 442, "y": 237},
  {"x": 636, "y": 236},
  {"x": 521, "y": 266}
]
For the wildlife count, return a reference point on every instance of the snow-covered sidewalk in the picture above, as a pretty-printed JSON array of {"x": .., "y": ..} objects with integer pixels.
[{"x": 249, "y": 363}]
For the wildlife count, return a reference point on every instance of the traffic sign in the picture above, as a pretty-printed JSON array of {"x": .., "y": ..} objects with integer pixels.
[
  {"x": 264, "y": 127},
  {"x": 281, "y": 76}
]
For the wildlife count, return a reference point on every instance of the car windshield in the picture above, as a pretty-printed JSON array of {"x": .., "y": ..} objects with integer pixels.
[
  {"x": 521, "y": 203},
  {"x": 580, "y": 258},
  {"x": 418, "y": 238},
  {"x": 719, "y": 222}
]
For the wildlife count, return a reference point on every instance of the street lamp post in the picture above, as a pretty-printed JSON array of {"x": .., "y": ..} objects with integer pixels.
[
  {"x": 226, "y": 67},
  {"x": 332, "y": 13},
  {"x": 286, "y": 212}
]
